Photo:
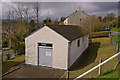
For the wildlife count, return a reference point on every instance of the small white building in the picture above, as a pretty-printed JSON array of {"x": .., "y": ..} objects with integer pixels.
[{"x": 56, "y": 46}]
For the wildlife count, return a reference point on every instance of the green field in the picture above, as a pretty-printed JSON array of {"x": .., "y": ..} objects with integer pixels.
[
  {"x": 100, "y": 48},
  {"x": 116, "y": 38},
  {"x": 115, "y": 29}
]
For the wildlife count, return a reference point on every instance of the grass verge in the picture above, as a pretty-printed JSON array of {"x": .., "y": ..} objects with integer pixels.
[
  {"x": 11, "y": 64},
  {"x": 116, "y": 38},
  {"x": 100, "y": 48},
  {"x": 110, "y": 74}
]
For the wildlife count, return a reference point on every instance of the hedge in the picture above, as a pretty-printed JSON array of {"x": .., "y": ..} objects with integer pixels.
[{"x": 100, "y": 34}]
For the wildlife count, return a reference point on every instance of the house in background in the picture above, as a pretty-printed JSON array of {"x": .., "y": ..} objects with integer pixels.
[
  {"x": 56, "y": 46},
  {"x": 76, "y": 18}
]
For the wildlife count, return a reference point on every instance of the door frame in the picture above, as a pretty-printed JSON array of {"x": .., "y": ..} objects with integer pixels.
[{"x": 45, "y": 47}]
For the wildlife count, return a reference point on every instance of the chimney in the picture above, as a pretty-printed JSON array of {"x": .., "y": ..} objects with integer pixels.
[{"x": 79, "y": 9}]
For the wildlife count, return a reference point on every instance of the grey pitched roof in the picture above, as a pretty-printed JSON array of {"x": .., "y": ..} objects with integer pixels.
[{"x": 69, "y": 32}]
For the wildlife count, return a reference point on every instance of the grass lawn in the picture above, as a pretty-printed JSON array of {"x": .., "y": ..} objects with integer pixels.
[
  {"x": 10, "y": 64},
  {"x": 115, "y": 29},
  {"x": 110, "y": 74},
  {"x": 100, "y": 48},
  {"x": 116, "y": 38}
]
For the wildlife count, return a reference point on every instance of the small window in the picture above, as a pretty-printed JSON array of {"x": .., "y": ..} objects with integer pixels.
[
  {"x": 45, "y": 44},
  {"x": 80, "y": 19},
  {"x": 78, "y": 43}
]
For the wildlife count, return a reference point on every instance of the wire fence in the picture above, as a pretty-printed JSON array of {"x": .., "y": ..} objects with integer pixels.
[{"x": 115, "y": 44}]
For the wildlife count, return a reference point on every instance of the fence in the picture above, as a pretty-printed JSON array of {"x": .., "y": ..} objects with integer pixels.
[
  {"x": 100, "y": 68},
  {"x": 97, "y": 66},
  {"x": 115, "y": 44}
]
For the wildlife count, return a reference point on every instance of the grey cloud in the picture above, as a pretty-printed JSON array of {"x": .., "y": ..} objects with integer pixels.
[{"x": 58, "y": 9}]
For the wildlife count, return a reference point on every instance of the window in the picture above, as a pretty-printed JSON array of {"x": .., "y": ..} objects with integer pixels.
[
  {"x": 78, "y": 43},
  {"x": 41, "y": 44},
  {"x": 80, "y": 19},
  {"x": 49, "y": 45},
  {"x": 45, "y": 44}
]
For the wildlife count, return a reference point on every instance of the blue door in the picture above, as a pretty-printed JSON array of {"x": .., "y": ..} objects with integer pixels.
[{"x": 45, "y": 56}]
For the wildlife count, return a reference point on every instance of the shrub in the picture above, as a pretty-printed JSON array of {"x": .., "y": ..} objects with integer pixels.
[
  {"x": 115, "y": 29},
  {"x": 100, "y": 34},
  {"x": 19, "y": 48},
  {"x": 8, "y": 56}
]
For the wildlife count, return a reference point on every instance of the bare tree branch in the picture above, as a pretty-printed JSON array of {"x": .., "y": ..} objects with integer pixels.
[{"x": 37, "y": 9}]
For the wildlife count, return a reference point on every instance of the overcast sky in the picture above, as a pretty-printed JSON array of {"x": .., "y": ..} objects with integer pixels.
[{"x": 59, "y": 9}]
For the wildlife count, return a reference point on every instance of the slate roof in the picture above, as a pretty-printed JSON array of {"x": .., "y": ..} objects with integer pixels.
[{"x": 70, "y": 32}]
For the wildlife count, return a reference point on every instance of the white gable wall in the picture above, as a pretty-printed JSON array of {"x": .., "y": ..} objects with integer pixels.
[
  {"x": 46, "y": 35},
  {"x": 77, "y": 18},
  {"x": 76, "y": 51}
]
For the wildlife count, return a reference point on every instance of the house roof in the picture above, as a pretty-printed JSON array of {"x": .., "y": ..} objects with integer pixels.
[
  {"x": 76, "y": 12},
  {"x": 70, "y": 32}
]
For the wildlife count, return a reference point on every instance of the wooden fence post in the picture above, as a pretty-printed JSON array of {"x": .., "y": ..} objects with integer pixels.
[
  {"x": 100, "y": 66},
  {"x": 117, "y": 62}
]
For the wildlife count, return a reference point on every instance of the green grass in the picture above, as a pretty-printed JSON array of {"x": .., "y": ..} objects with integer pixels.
[
  {"x": 110, "y": 74},
  {"x": 116, "y": 38},
  {"x": 115, "y": 29},
  {"x": 10, "y": 64},
  {"x": 100, "y": 48}
]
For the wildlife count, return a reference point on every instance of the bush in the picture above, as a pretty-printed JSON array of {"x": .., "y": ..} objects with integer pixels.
[
  {"x": 115, "y": 29},
  {"x": 8, "y": 56},
  {"x": 19, "y": 48},
  {"x": 5, "y": 44},
  {"x": 100, "y": 34}
]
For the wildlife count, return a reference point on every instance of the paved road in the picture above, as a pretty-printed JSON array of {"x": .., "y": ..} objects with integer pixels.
[{"x": 27, "y": 71}]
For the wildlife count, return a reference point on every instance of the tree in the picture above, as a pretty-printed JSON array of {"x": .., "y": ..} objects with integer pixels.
[
  {"x": 118, "y": 21},
  {"x": 32, "y": 26},
  {"x": 62, "y": 19},
  {"x": 32, "y": 23},
  {"x": 100, "y": 18},
  {"x": 21, "y": 31},
  {"x": 90, "y": 24},
  {"x": 93, "y": 23},
  {"x": 47, "y": 20},
  {"x": 110, "y": 16},
  {"x": 56, "y": 21},
  {"x": 19, "y": 11},
  {"x": 22, "y": 13},
  {"x": 36, "y": 10},
  {"x": 26, "y": 14}
]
